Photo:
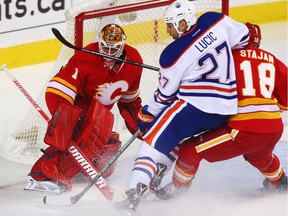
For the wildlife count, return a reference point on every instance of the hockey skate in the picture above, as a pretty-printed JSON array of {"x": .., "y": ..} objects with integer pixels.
[
  {"x": 44, "y": 186},
  {"x": 277, "y": 186},
  {"x": 133, "y": 199},
  {"x": 157, "y": 179},
  {"x": 171, "y": 191}
]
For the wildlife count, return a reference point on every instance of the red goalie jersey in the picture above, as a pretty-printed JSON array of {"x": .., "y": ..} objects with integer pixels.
[
  {"x": 262, "y": 91},
  {"x": 80, "y": 97},
  {"x": 85, "y": 76}
]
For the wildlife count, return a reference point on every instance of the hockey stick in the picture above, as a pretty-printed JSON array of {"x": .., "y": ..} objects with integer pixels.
[
  {"x": 26, "y": 94},
  {"x": 55, "y": 200},
  {"x": 68, "y": 44},
  {"x": 74, "y": 150}
]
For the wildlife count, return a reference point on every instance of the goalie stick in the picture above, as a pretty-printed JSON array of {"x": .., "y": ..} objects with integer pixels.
[
  {"x": 56, "y": 200},
  {"x": 25, "y": 93},
  {"x": 74, "y": 150},
  {"x": 68, "y": 44}
]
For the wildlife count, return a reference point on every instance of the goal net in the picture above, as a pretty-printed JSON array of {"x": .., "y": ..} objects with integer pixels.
[{"x": 143, "y": 24}]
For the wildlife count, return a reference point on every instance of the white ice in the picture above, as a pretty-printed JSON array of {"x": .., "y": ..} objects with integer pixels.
[{"x": 228, "y": 188}]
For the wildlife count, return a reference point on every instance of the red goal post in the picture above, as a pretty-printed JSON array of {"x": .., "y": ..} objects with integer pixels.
[
  {"x": 223, "y": 6},
  {"x": 143, "y": 23}
]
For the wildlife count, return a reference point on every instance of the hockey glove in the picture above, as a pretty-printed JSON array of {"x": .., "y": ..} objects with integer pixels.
[
  {"x": 144, "y": 119},
  {"x": 255, "y": 34},
  {"x": 129, "y": 112}
]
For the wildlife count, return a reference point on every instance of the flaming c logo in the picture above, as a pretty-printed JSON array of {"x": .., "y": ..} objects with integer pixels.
[{"x": 109, "y": 93}]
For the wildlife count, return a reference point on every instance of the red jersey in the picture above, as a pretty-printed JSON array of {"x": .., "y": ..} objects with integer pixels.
[
  {"x": 86, "y": 75},
  {"x": 262, "y": 91}
]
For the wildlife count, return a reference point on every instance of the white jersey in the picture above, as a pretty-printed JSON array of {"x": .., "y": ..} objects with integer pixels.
[{"x": 198, "y": 67}]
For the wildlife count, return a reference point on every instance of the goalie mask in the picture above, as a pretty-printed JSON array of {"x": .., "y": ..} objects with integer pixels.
[
  {"x": 111, "y": 42},
  {"x": 178, "y": 11}
]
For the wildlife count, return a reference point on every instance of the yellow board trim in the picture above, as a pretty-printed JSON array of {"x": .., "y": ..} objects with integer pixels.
[
  {"x": 260, "y": 13},
  {"x": 30, "y": 53},
  {"x": 48, "y": 50}
]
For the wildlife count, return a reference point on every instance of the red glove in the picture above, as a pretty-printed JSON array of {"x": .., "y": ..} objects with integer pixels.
[
  {"x": 129, "y": 112},
  {"x": 255, "y": 34}
]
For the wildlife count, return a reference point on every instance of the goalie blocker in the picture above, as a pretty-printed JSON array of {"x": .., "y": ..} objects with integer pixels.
[{"x": 91, "y": 132}]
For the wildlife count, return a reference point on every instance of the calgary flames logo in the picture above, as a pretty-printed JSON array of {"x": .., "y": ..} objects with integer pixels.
[{"x": 109, "y": 93}]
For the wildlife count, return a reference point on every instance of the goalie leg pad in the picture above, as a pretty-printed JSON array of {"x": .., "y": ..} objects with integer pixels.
[
  {"x": 91, "y": 139},
  {"x": 60, "y": 166},
  {"x": 36, "y": 171},
  {"x": 62, "y": 125},
  {"x": 96, "y": 130},
  {"x": 55, "y": 166}
]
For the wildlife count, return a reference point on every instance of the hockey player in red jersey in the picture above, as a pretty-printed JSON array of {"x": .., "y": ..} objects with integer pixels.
[
  {"x": 79, "y": 98},
  {"x": 253, "y": 132}
]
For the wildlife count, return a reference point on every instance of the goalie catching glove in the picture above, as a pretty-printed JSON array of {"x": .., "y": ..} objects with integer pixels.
[
  {"x": 129, "y": 112},
  {"x": 144, "y": 119}
]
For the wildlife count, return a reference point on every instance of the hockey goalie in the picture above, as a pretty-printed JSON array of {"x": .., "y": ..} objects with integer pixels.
[{"x": 80, "y": 97}]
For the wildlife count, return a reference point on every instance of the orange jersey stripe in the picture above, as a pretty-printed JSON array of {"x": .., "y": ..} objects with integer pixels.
[{"x": 153, "y": 132}]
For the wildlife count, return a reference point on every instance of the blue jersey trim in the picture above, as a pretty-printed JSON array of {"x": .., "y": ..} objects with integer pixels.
[{"x": 207, "y": 95}]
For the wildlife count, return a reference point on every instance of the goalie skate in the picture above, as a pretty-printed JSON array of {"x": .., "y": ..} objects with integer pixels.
[{"x": 44, "y": 186}]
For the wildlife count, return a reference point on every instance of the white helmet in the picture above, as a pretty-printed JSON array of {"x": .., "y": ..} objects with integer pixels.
[
  {"x": 111, "y": 42},
  {"x": 180, "y": 10}
]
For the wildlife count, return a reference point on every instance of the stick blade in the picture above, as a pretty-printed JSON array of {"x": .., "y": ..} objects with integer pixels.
[
  {"x": 60, "y": 37},
  {"x": 57, "y": 200}
]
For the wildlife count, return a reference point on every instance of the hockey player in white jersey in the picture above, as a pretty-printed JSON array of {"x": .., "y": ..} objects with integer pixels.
[{"x": 196, "y": 92}]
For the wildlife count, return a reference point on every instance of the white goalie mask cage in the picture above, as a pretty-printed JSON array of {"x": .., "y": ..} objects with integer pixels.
[
  {"x": 111, "y": 40},
  {"x": 181, "y": 10}
]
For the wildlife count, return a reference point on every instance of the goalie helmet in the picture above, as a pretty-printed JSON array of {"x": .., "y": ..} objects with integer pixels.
[
  {"x": 111, "y": 42},
  {"x": 180, "y": 10}
]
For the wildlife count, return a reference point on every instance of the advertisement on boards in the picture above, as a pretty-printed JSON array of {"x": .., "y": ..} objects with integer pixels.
[{"x": 17, "y": 15}]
